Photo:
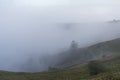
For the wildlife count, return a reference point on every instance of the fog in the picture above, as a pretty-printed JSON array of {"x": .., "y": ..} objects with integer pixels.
[{"x": 30, "y": 35}]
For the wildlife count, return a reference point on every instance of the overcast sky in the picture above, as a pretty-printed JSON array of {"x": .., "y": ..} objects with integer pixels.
[{"x": 100, "y": 10}]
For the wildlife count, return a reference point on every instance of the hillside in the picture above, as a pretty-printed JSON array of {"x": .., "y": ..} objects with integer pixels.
[
  {"x": 76, "y": 73},
  {"x": 79, "y": 72},
  {"x": 83, "y": 55}
]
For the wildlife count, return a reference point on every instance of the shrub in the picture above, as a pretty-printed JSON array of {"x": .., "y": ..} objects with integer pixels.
[{"x": 95, "y": 67}]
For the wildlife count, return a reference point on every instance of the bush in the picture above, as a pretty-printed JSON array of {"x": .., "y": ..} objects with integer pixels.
[
  {"x": 95, "y": 67},
  {"x": 52, "y": 68}
]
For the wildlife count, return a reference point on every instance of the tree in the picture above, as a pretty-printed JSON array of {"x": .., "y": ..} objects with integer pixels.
[{"x": 74, "y": 45}]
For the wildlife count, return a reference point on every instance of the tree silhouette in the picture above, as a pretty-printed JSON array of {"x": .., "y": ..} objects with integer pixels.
[{"x": 74, "y": 45}]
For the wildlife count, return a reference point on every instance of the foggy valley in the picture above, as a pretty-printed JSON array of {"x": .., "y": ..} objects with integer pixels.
[
  {"x": 33, "y": 47},
  {"x": 34, "y": 38}
]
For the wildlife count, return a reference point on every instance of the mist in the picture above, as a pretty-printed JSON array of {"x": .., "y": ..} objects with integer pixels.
[{"x": 31, "y": 35}]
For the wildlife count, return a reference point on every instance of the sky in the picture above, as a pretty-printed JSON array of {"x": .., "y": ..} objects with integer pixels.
[
  {"x": 76, "y": 9},
  {"x": 33, "y": 28}
]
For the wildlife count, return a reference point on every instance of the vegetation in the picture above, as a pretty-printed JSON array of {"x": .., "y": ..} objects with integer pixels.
[
  {"x": 82, "y": 55},
  {"x": 78, "y": 72},
  {"x": 95, "y": 67},
  {"x": 104, "y": 68}
]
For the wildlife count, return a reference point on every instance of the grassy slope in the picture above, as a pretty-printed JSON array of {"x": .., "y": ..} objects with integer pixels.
[
  {"x": 82, "y": 55},
  {"x": 75, "y": 73},
  {"x": 79, "y": 72}
]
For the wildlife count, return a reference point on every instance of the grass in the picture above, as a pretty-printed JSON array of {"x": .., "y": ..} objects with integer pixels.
[
  {"x": 67, "y": 74},
  {"x": 75, "y": 73}
]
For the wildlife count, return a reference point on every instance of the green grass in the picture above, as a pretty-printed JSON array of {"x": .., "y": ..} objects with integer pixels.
[{"x": 67, "y": 74}]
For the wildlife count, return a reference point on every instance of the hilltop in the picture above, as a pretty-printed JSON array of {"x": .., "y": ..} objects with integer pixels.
[{"x": 83, "y": 55}]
